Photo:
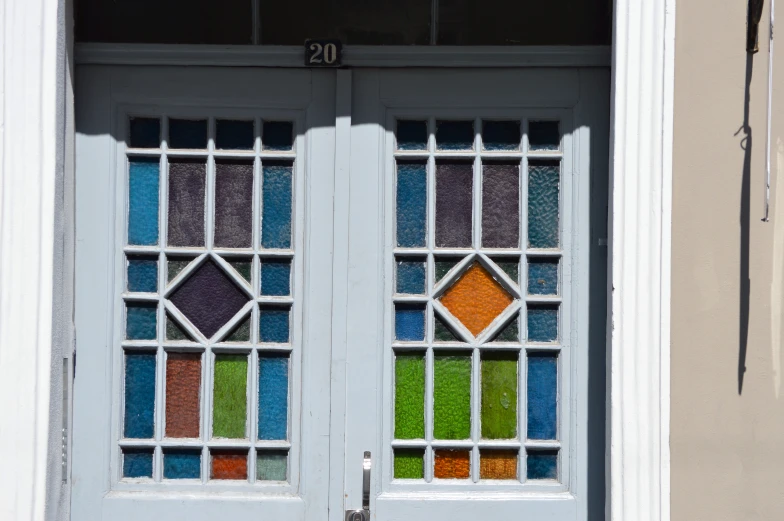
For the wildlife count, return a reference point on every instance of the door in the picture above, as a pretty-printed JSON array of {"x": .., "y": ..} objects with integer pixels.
[
  {"x": 203, "y": 289},
  {"x": 475, "y": 315}
]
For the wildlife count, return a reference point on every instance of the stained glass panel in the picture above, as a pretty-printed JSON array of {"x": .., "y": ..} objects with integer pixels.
[
  {"x": 454, "y": 135},
  {"x": 142, "y": 274},
  {"x": 452, "y": 397},
  {"x": 543, "y": 204},
  {"x": 542, "y": 323},
  {"x": 498, "y": 464},
  {"x": 145, "y": 133},
  {"x": 277, "y": 135},
  {"x": 137, "y": 463},
  {"x": 229, "y": 396},
  {"x": 542, "y": 396},
  {"x": 141, "y": 321},
  {"x": 233, "y": 204},
  {"x": 233, "y": 134},
  {"x": 411, "y": 135},
  {"x": 476, "y": 299},
  {"x": 454, "y": 197},
  {"x": 409, "y": 322},
  {"x": 500, "y": 205},
  {"x": 229, "y": 464},
  {"x": 271, "y": 465},
  {"x": 542, "y": 276},
  {"x": 542, "y": 464},
  {"x": 143, "y": 175},
  {"x": 409, "y": 396},
  {"x": 188, "y": 133},
  {"x": 275, "y": 277},
  {"x": 273, "y": 397},
  {"x": 409, "y": 464},
  {"x": 499, "y": 395},
  {"x": 411, "y": 204},
  {"x": 543, "y": 135},
  {"x": 276, "y": 205},
  {"x": 501, "y": 135},
  {"x": 139, "y": 395},
  {"x": 274, "y": 324},
  {"x": 187, "y": 178},
  {"x": 410, "y": 275},
  {"x": 452, "y": 464},
  {"x": 183, "y": 385},
  {"x": 182, "y": 464}
]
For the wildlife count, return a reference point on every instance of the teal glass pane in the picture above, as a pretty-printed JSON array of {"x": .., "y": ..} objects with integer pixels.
[
  {"x": 542, "y": 276},
  {"x": 276, "y": 277},
  {"x": 276, "y": 204},
  {"x": 542, "y": 394},
  {"x": 143, "y": 176},
  {"x": 142, "y": 274},
  {"x": 274, "y": 324},
  {"x": 543, "y": 204},
  {"x": 271, "y": 465},
  {"x": 411, "y": 204},
  {"x": 137, "y": 463},
  {"x": 182, "y": 464},
  {"x": 410, "y": 275},
  {"x": 139, "y": 397},
  {"x": 409, "y": 322},
  {"x": 273, "y": 397},
  {"x": 542, "y": 464},
  {"x": 141, "y": 321},
  {"x": 542, "y": 323}
]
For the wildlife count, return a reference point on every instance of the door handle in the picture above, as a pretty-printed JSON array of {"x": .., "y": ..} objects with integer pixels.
[{"x": 363, "y": 514}]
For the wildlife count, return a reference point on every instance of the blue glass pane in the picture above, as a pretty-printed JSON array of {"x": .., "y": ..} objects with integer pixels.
[
  {"x": 411, "y": 204},
  {"x": 145, "y": 133},
  {"x": 274, "y": 324},
  {"x": 276, "y": 209},
  {"x": 187, "y": 133},
  {"x": 543, "y": 202},
  {"x": 542, "y": 276},
  {"x": 410, "y": 275},
  {"x": 277, "y": 135},
  {"x": 275, "y": 277},
  {"x": 139, "y": 395},
  {"x": 542, "y": 464},
  {"x": 182, "y": 464},
  {"x": 542, "y": 396},
  {"x": 543, "y": 135},
  {"x": 141, "y": 321},
  {"x": 273, "y": 397},
  {"x": 143, "y": 274},
  {"x": 143, "y": 201},
  {"x": 233, "y": 135},
  {"x": 501, "y": 135},
  {"x": 542, "y": 323},
  {"x": 412, "y": 135},
  {"x": 137, "y": 463},
  {"x": 409, "y": 322},
  {"x": 454, "y": 135}
]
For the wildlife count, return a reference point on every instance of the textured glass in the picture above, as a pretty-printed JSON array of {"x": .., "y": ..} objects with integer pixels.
[
  {"x": 233, "y": 135},
  {"x": 499, "y": 396},
  {"x": 501, "y": 205},
  {"x": 542, "y": 464},
  {"x": 498, "y": 464},
  {"x": 542, "y": 276},
  {"x": 501, "y": 135},
  {"x": 411, "y": 135},
  {"x": 139, "y": 395},
  {"x": 228, "y": 396},
  {"x": 454, "y": 182},
  {"x": 452, "y": 464},
  {"x": 542, "y": 323},
  {"x": 241, "y": 333},
  {"x": 174, "y": 265},
  {"x": 411, "y": 204},
  {"x": 276, "y": 277},
  {"x": 183, "y": 384},
  {"x": 229, "y": 464},
  {"x": 145, "y": 133},
  {"x": 277, "y": 135},
  {"x": 182, "y": 464},
  {"x": 143, "y": 174},
  {"x": 509, "y": 333},
  {"x": 452, "y": 397},
  {"x": 142, "y": 274},
  {"x": 273, "y": 397},
  {"x": 243, "y": 266},
  {"x": 233, "y": 204},
  {"x": 276, "y": 205},
  {"x": 409, "y": 396},
  {"x": 543, "y": 202},
  {"x": 509, "y": 265},
  {"x": 543, "y": 135},
  {"x": 175, "y": 331},
  {"x": 409, "y": 322},
  {"x": 476, "y": 299},
  {"x": 444, "y": 265},
  {"x": 442, "y": 332},
  {"x": 188, "y": 133},
  {"x": 454, "y": 135},
  {"x": 542, "y": 396},
  {"x": 187, "y": 179},
  {"x": 137, "y": 463},
  {"x": 208, "y": 298},
  {"x": 409, "y": 464},
  {"x": 141, "y": 321},
  {"x": 410, "y": 275},
  {"x": 274, "y": 324},
  {"x": 271, "y": 465}
]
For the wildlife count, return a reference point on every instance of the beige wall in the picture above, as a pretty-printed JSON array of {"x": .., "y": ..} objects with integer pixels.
[{"x": 727, "y": 445}]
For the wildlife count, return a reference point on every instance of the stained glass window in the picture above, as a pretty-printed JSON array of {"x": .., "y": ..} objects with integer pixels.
[
  {"x": 209, "y": 301},
  {"x": 477, "y": 300}
]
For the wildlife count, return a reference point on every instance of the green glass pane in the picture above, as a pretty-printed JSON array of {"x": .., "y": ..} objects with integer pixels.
[
  {"x": 174, "y": 265},
  {"x": 241, "y": 333},
  {"x": 510, "y": 333},
  {"x": 442, "y": 333},
  {"x": 409, "y": 396},
  {"x": 452, "y": 397},
  {"x": 228, "y": 401},
  {"x": 409, "y": 464},
  {"x": 499, "y": 396},
  {"x": 174, "y": 331},
  {"x": 443, "y": 265},
  {"x": 271, "y": 465},
  {"x": 243, "y": 267},
  {"x": 510, "y": 266}
]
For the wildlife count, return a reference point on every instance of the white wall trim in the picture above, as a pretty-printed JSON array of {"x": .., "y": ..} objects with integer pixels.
[{"x": 641, "y": 165}]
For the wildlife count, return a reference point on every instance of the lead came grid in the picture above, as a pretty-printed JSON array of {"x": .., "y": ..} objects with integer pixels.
[
  {"x": 209, "y": 301},
  {"x": 477, "y": 300}
]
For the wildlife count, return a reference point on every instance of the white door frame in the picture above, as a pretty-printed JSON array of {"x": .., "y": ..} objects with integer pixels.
[{"x": 35, "y": 165}]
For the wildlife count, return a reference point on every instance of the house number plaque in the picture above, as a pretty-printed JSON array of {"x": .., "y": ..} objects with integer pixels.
[{"x": 323, "y": 53}]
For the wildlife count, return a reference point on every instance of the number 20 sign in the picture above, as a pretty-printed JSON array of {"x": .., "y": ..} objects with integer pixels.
[{"x": 323, "y": 53}]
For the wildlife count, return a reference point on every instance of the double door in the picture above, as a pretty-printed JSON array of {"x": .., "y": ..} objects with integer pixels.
[{"x": 305, "y": 292}]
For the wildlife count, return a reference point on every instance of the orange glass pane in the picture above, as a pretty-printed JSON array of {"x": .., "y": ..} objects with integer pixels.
[
  {"x": 183, "y": 380},
  {"x": 476, "y": 299},
  {"x": 230, "y": 465},
  {"x": 453, "y": 464},
  {"x": 498, "y": 464}
]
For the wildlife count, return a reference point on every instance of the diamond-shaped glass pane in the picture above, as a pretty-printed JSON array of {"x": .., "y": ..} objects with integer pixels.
[
  {"x": 209, "y": 298},
  {"x": 476, "y": 299}
]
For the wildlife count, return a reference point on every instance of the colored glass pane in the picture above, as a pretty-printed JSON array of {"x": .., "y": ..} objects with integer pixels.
[
  {"x": 410, "y": 275},
  {"x": 183, "y": 385},
  {"x": 233, "y": 204},
  {"x": 542, "y": 393},
  {"x": 145, "y": 132},
  {"x": 542, "y": 323},
  {"x": 229, "y": 464},
  {"x": 409, "y": 464},
  {"x": 233, "y": 135},
  {"x": 409, "y": 322},
  {"x": 143, "y": 274},
  {"x": 137, "y": 463},
  {"x": 452, "y": 397},
  {"x": 274, "y": 324},
  {"x": 498, "y": 464},
  {"x": 454, "y": 198},
  {"x": 241, "y": 333},
  {"x": 509, "y": 333},
  {"x": 454, "y": 135},
  {"x": 141, "y": 321},
  {"x": 542, "y": 276},
  {"x": 411, "y": 204},
  {"x": 542, "y": 464},
  {"x": 187, "y": 178},
  {"x": 276, "y": 277},
  {"x": 501, "y": 135},
  {"x": 276, "y": 204},
  {"x": 174, "y": 331},
  {"x": 509, "y": 265},
  {"x": 500, "y": 205},
  {"x": 543, "y": 135},
  {"x": 476, "y": 299},
  {"x": 499, "y": 395},
  {"x": 229, "y": 396},
  {"x": 452, "y": 464},
  {"x": 271, "y": 465},
  {"x": 188, "y": 133},
  {"x": 143, "y": 175},
  {"x": 139, "y": 395},
  {"x": 411, "y": 135},
  {"x": 442, "y": 332},
  {"x": 182, "y": 464},
  {"x": 175, "y": 265},
  {"x": 409, "y": 396},
  {"x": 242, "y": 265},
  {"x": 543, "y": 203},
  {"x": 277, "y": 135},
  {"x": 444, "y": 265},
  {"x": 273, "y": 397}
]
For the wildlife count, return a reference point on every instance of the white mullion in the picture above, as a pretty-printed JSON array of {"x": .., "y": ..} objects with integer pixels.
[
  {"x": 522, "y": 407},
  {"x": 429, "y": 458},
  {"x": 207, "y": 417},
  {"x": 476, "y": 210},
  {"x": 209, "y": 214},
  {"x": 430, "y": 170},
  {"x": 475, "y": 412},
  {"x": 256, "y": 185},
  {"x": 251, "y": 414}
]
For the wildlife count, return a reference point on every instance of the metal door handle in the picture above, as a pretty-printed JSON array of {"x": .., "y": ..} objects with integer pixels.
[{"x": 364, "y": 513}]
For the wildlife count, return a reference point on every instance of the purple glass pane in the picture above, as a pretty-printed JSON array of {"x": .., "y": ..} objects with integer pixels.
[
  {"x": 233, "y": 204},
  {"x": 454, "y": 181},
  {"x": 500, "y": 205},
  {"x": 186, "y": 202}
]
